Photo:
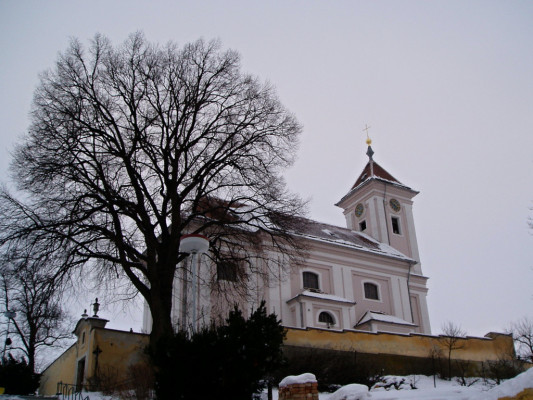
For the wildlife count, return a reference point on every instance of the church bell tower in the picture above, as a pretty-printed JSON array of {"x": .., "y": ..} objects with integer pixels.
[{"x": 382, "y": 207}]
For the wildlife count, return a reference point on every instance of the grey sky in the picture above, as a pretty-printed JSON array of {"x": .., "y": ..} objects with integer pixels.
[{"x": 446, "y": 86}]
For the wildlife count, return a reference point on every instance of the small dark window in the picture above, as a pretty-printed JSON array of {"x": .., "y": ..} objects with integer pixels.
[
  {"x": 371, "y": 291},
  {"x": 362, "y": 226},
  {"x": 227, "y": 271},
  {"x": 310, "y": 280},
  {"x": 396, "y": 225},
  {"x": 326, "y": 318}
]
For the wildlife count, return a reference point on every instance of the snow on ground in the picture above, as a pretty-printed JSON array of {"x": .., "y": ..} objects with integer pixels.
[
  {"x": 509, "y": 388},
  {"x": 444, "y": 390},
  {"x": 353, "y": 391}
]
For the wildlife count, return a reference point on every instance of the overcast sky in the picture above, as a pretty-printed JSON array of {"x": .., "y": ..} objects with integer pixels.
[{"x": 446, "y": 86}]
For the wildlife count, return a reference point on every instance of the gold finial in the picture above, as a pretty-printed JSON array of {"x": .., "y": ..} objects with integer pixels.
[{"x": 368, "y": 140}]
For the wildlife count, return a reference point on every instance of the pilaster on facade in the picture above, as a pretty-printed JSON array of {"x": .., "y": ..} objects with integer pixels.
[
  {"x": 206, "y": 275},
  {"x": 273, "y": 299},
  {"x": 377, "y": 229},
  {"x": 413, "y": 242},
  {"x": 338, "y": 288}
]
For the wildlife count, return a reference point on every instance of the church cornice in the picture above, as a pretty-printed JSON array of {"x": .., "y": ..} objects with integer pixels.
[
  {"x": 321, "y": 297},
  {"x": 375, "y": 179}
]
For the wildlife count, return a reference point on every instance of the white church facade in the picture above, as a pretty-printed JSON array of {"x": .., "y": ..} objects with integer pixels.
[{"x": 365, "y": 276}]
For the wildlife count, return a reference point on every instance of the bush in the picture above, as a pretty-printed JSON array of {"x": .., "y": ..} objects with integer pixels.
[
  {"x": 17, "y": 377},
  {"x": 229, "y": 361},
  {"x": 502, "y": 369}
]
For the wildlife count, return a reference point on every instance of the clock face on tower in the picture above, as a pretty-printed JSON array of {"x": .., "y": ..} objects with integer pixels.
[
  {"x": 395, "y": 205},
  {"x": 359, "y": 209}
]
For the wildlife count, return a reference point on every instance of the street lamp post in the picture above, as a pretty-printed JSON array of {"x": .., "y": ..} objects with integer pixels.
[
  {"x": 9, "y": 315},
  {"x": 194, "y": 244}
]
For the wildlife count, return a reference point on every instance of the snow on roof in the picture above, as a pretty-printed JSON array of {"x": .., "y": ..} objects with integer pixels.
[
  {"x": 297, "y": 379},
  {"x": 375, "y": 178},
  {"x": 307, "y": 228},
  {"x": 380, "y": 317},
  {"x": 323, "y": 296},
  {"x": 319, "y": 231}
]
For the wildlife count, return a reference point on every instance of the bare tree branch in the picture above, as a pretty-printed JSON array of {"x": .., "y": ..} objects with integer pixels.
[
  {"x": 522, "y": 331},
  {"x": 130, "y": 147},
  {"x": 452, "y": 336},
  {"x": 33, "y": 292}
]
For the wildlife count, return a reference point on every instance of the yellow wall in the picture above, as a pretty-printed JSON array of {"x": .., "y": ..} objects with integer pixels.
[
  {"x": 474, "y": 349},
  {"x": 119, "y": 351},
  {"x": 61, "y": 370}
]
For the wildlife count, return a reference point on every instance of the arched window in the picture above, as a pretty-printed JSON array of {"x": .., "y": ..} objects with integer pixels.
[
  {"x": 371, "y": 291},
  {"x": 396, "y": 225},
  {"x": 326, "y": 318},
  {"x": 310, "y": 280}
]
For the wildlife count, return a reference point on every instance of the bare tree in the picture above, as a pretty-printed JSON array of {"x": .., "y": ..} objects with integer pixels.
[
  {"x": 32, "y": 298},
  {"x": 522, "y": 331},
  {"x": 451, "y": 338},
  {"x": 130, "y": 147},
  {"x": 435, "y": 353}
]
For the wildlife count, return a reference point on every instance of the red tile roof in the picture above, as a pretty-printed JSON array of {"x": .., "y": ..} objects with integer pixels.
[{"x": 378, "y": 172}]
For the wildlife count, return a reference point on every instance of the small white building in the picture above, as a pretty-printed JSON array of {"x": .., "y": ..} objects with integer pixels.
[{"x": 365, "y": 276}]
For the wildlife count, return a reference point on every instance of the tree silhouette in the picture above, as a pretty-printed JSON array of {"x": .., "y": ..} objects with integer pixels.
[
  {"x": 451, "y": 339},
  {"x": 132, "y": 146},
  {"x": 522, "y": 331},
  {"x": 33, "y": 295}
]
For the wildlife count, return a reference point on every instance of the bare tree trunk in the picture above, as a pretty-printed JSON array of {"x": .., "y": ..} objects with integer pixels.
[{"x": 160, "y": 304}]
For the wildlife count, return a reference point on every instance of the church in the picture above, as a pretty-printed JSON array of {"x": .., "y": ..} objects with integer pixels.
[
  {"x": 359, "y": 300},
  {"x": 366, "y": 276}
]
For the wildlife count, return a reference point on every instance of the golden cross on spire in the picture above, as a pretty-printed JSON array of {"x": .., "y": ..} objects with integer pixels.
[{"x": 368, "y": 140}]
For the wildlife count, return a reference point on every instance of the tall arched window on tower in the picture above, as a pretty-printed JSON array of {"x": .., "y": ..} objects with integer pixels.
[
  {"x": 371, "y": 291},
  {"x": 395, "y": 221},
  {"x": 310, "y": 280}
]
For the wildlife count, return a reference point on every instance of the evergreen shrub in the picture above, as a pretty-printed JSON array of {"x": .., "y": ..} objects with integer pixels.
[
  {"x": 230, "y": 361},
  {"x": 16, "y": 377}
]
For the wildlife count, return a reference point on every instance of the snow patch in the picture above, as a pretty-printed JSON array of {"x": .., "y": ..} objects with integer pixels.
[
  {"x": 508, "y": 388},
  {"x": 298, "y": 379},
  {"x": 354, "y": 391},
  {"x": 375, "y": 316},
  {"x": 325, "y": 296}
]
